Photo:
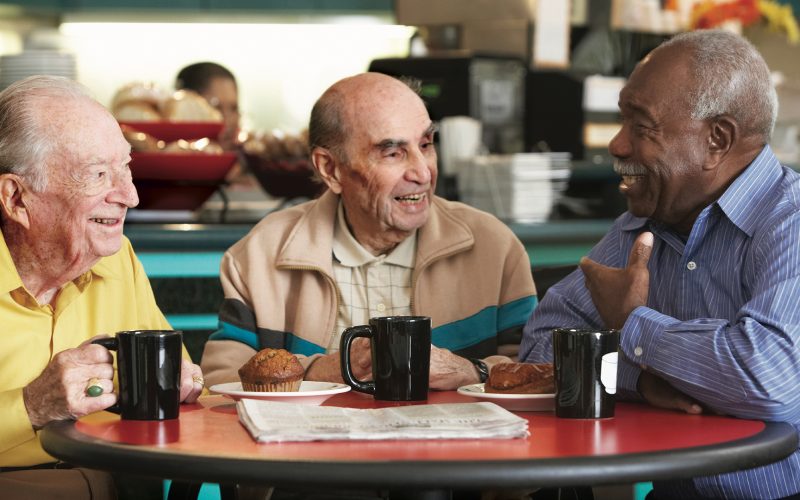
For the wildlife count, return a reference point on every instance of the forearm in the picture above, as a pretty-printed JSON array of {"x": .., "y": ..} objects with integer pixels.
[
  {"x": 222, "y": 359},
  {"x": 744, "y": 369}
]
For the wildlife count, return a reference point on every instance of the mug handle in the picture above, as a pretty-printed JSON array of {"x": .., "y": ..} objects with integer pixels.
[
  {"x": 348, "y": 336},
  {"x": 111, "y": 344}
]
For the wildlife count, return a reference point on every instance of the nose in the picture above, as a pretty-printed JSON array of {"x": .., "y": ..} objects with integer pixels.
[
  {"x": 620, "y": 144},
  {"x": 421, "y": 167},
  {"x": 123, "y": 191}
]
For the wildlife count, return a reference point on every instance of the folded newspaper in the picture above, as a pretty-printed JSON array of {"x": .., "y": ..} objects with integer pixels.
[{"x": 272, "y": 422}]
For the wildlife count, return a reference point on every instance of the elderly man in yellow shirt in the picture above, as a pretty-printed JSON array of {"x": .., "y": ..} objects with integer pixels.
[{"x": 67, "y": 274}]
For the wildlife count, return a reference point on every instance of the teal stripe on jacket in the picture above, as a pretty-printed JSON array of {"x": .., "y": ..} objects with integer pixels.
[
  {"x": 453, "y": 336},
  {"x": 483, "y": 325},
  {"x": 294, "y": 344}
]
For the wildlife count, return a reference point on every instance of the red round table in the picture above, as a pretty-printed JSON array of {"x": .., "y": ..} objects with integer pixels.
[{"x": 641, "y": 443}]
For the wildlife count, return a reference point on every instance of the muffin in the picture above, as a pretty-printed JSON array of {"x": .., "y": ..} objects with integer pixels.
[{"x": 272, "y": 370}]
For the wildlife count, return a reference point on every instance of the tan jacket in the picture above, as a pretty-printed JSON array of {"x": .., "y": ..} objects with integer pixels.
[{"x": 472, "y": 277}]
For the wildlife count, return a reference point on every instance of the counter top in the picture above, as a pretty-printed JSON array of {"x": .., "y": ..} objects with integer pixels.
[{"x": 214, "y": 236}]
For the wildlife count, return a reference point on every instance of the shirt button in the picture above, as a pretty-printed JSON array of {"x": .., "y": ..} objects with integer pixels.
[
  {"x": 638, "y": 351},
  {"x": 380, "y": 307},
  {"x": 691, "y": 265}
]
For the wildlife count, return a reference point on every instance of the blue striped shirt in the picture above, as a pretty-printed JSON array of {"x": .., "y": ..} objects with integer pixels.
[{"x": 722, "y": 321}]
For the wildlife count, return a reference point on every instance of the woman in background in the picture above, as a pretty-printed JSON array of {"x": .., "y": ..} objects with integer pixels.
[{"x": 218, "y": 85}]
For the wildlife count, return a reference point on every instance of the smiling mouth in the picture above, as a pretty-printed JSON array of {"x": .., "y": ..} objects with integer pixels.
[
  {"x": 105, "y": 222},
  {"x": 630, "y": 180},
  {"x": 411, "y": 198}
]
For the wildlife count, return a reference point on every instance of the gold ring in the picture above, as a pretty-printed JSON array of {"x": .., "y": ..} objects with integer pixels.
[
  {"x": 198, "y": 380},
  {"x": 93, "y": 388}
]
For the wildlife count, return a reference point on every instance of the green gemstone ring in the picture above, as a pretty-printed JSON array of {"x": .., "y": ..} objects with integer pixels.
[{"x": 94, "y": 389}]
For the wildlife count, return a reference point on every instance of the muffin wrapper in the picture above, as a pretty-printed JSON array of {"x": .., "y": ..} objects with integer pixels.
[{"x": 287, "y": 386}]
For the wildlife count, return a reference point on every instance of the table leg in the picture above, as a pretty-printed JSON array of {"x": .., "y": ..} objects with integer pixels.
[
  {"x": 227, "y": 492},
  {"x": 183, "y": 491}
]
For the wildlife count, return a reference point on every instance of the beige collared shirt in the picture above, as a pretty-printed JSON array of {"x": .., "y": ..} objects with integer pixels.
[{"x": 369, "y": 285}]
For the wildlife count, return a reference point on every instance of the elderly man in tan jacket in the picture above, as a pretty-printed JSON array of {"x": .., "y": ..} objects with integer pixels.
[{"x": 377, "y": 243}]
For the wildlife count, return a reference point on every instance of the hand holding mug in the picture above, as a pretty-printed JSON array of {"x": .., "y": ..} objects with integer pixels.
[
  {"x": 149, "y": 373},
  {"x": 400, "y": 353},
  {"x": 59, "y": 392},
  {"x": 192, "y": 382}
]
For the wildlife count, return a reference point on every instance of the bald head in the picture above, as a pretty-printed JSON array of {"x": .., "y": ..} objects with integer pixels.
[{"x": 347, "y": 101}]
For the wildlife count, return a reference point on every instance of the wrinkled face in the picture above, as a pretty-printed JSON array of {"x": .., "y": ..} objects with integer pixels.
[
  {"x": 89, "y": 188},
  {"x": 223, "y": 95},
  {"x": 391, "y": 176},
  {"x": 660, "y": 150}
]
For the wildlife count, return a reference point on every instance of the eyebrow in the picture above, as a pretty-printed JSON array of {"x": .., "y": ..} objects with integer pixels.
[
  {"x": 393, "y": 143},
  {"x": 638, "y": 108}
]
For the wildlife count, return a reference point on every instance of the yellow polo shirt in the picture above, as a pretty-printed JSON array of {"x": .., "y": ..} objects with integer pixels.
[{"x": 113, "y": 295}]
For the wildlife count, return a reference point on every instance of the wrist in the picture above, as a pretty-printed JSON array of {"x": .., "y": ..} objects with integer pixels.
[{"x": 481, "y": 369}]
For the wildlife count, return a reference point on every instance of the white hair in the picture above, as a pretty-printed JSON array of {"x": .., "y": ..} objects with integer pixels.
[
  {"x": 731, "y": 77},
  {"x": 24, "y": 147}
]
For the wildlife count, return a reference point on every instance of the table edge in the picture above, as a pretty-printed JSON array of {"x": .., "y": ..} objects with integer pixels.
[{"x": 775, "y": 442}]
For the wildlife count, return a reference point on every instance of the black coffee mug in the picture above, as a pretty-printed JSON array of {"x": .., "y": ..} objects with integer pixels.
[
  {"x": 149, "y": 373},
  {"x": 401, "y": 357},
  {"x": 585, "y": 364}
]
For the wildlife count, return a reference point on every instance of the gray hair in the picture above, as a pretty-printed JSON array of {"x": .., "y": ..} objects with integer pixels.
[
  {"x": 731, "y": 77},
  {"x": 24, "y": 147},
  {"x": 326, "y": 125}
]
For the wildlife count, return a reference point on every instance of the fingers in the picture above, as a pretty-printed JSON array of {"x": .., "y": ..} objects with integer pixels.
[
  {"x": 87, "y": 342},
  {"x": 691, "y": 408},
  {"x": 361, "y": 356},
  {"x": 641, "y": 249},
  {"x": 192, "y": 382}
]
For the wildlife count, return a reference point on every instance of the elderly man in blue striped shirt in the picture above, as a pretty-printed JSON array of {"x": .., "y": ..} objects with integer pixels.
[{"x": 702, "y": 273}]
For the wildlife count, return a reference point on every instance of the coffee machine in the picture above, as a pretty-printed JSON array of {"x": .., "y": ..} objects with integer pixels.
[{"x": 488, "y": 88}]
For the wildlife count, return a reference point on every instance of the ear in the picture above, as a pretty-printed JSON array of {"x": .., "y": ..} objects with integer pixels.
[
  {"x": 723, "y": 132},
  {"x": 328, "y": 168},
  {"x": 12, "y": 200}
]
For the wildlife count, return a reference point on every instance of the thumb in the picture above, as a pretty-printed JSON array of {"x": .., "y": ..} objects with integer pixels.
[
  {"x": 586, "y": 264},
  {"x": 640, "y": 252}
]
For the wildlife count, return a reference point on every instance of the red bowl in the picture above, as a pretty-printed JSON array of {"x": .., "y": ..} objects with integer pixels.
[
  {"x": 178, "y": 181},
  {"x": 289, "y": 177},
  {"x": 172, "y": 131}
]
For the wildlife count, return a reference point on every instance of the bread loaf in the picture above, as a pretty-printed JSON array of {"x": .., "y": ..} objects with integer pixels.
[
  {"x": 521, "y": 378},
  {"x": 189, "y": 106}
]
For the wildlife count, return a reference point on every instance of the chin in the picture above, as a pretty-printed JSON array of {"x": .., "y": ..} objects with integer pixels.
[{"x": 108, "y": 249}]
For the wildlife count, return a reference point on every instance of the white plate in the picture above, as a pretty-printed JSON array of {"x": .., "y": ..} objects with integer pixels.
[
  {"x": 511, "y": 402},
  {"x": 311, "y": 393}
]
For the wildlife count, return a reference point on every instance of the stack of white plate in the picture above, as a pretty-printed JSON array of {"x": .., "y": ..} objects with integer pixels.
[
  {"x": 521, "y": 187},
  {"x": 14, "y": 67}
]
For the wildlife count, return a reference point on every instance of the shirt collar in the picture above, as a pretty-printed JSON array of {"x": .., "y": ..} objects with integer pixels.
[
  {"x": 747, "y": 199},
  {"x": 349, "y": 252},
  {"x": 9, "y": 278}
]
